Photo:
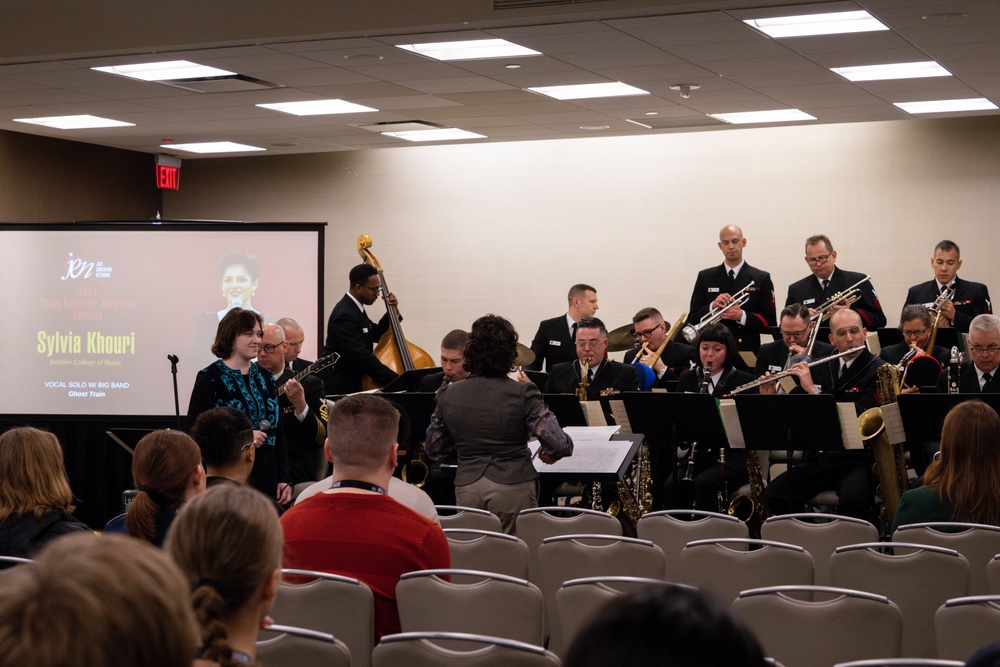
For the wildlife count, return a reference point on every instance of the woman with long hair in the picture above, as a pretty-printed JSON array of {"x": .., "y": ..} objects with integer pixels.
[
  {"x": 228, "y": 543},
  {"x": 717, "y": 374},
  {"x": 235, "y": 380},
  {"x": 167, "y": 471},
  {"x": 963, "y": 484},
  {"x": 36, "y": 504},
  {"x": 488, "y": 418}
]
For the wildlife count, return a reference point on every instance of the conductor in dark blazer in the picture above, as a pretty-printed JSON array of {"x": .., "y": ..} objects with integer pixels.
[
  {"x": 978, "y": 376},
  {"x": 970, "y": 299},
  {"x": 591, "y": 345},
  {"x": 353, "y": 335},
  {"x": 795, "y": 327},
  {"x": 715, "y": 287},
  {"x": 826, "y": 281},
  {"x": 553, "y": 342}
]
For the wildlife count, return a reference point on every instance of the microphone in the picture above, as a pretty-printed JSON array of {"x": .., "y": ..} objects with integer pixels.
[
  {"x": 173, "y": 358},
  {"x": 264, "y": 426},
  {"x": 237, "y": 303}
]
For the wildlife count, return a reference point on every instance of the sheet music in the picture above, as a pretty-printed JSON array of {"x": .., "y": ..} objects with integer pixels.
[
  {"x": 731, "y": 420},
  {"x": 874, "y": 346},
  {"x": 849, "y": 429},
  {"x": 749, "y": 358},
  {"x": 593, "y": 452},
  {"x": 893, "y": 424},
  {"x": 594, "y": 413},
  {"x": 621, "y": 415}
]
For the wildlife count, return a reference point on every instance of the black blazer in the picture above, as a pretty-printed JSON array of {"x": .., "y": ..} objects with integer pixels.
[
  {"x": 772, "y": 356},
  {"x": 552, "y": 344},
  {"x": 809, "y": 293},
  {"x": 677, "y": 357},
  {"x": 431, "y": 383},
  {"x": 304, "y": 439},
  {"x": 299, "y": 364},
  {"x": 690, "y": 381},
  {"x": 759, "y": 307},
  {"x": 968, "y": 381},
  {"x": 858, "y": 384},
  {"x": 353, "y": 335},
  {"x": 564, "y": 378},
  {"x": 970, "y": 299},
  {"x": 894, "y": 353}
]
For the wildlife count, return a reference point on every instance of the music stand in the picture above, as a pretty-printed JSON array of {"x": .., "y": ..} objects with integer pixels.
[
  {"x": 566, "y": 408},
  {"x": 947, "y": 337},
  {"x": 409, "y": 380},
  {"x": 923, "y": 414},
  {"x": 594, "y": 468},
  {"x": 538, "y": 378}
]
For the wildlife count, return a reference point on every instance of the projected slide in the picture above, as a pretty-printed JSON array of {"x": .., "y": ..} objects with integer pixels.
[{"x": 92, "y": 312}]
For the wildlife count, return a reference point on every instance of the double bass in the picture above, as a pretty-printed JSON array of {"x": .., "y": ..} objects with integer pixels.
[{"x": 392, "y": 350}]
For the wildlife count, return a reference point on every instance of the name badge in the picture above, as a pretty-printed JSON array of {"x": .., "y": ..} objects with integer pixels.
[
  {"x": 774, "y": 368},
  {"x": 364, "y": 329},
  {"x": 557, "y": 343},
  {"x": 806, "y": 302},
  {"x": 713, "y": 289}
]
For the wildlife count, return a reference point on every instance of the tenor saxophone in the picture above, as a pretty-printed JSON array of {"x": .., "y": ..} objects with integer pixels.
[{"x": 754, "y": 509}]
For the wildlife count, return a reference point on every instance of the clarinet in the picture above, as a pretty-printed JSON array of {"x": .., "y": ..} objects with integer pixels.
[
  {"x": 954, "y": 369},
  {"x": 689, "y": 471}
]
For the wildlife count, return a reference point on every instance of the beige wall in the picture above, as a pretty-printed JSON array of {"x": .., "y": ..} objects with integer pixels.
[
  {"x": 507, "y": 228},
  {"x": 50, "y": 180}
]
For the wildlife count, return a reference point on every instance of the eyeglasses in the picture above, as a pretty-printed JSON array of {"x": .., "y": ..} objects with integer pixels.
[
  {"x": 793, "y": 334},
  {"x": 980, "y": 350},
  {"x": 818, "y": 260},
  {"x": 375, "y": 290},
  {"x": 588, "y": 344},
  {"x": 248, "y": 445},
  {"x": 914, "y": 333},
  {"x": 853, "y": 331},
  {"x": 271, "y": 348},
  {"x": 639, "y": 335}
]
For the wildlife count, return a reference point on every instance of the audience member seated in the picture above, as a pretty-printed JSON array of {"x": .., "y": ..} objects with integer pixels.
[
  {"x": 647, "y": 626},
  {"x": 166, "y": 469},
  {"x": 227, "y": 542},
  {"x": 963, "y": 484},
  {"x": 354, "y": 528},
  {"x": 36, "y": 503},
  {"x": 111, "y": 601}
]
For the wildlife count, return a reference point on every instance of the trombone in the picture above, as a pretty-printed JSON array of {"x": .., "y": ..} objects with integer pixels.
[
  {"x": 777, "y": 376},
  {"x": 647, "y": 378},
  {"x": 691, "y": 332}
]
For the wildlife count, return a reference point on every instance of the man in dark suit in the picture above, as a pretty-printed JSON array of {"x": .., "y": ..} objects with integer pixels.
[
  {"x": 795, "y": 327},
  {"x": 295, "y": 336},
  {"x": 851, "y": 379},
  {"x": 651, "y": 328},
  {"x": 716, "y": 286},
  {"x": 978, "y": 376},
  {"x": 353, "y": 335},
  {"x": 301, "y": 408},
  {"x": 591, "y": 347},
  {"x": 970, "y": 299},
  {"x": 826, "y": 281},
  {"x": 553, "y": 343},
  {"x": 452, "y": 361},
  {"x": 915, "y": 323}
]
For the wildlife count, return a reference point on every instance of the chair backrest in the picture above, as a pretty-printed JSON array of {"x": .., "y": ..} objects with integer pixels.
[
  {"x": 566, "y": 557},
  {"x": 919, "y": 581},
  {"x": 488, "y": 551},
  {"x": 820, "y": 535},
  {"x": 902, "y": 662},
  {"x": 579, "y": 600},
  {"x": 456, "y": 516},
  {"x": 993, "y": 575},
  {"x": 535, "y": 524},
  {"x": 724, "y": 567},
  {"x": 964, "y": 624},
  {"x": 299, "y": 646},
  {"x": 423, "y": 649},
  {"x": 493, "y": 604},
  {"x": 329, "y": 603},
  {"x": 977, "y": 542},
  {"x": 671, "y": 530},
  {"x": 846, "y": 625}
]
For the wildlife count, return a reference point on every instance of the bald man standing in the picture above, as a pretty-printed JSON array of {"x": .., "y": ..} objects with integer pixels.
[{"x": 715, "y": 286}]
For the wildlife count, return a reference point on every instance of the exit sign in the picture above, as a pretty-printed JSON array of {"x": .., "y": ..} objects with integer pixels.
[{"x": 168, "y": 178}]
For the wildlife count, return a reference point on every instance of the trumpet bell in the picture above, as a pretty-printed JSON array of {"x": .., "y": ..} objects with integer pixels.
[{"x": 690, "y": 333}]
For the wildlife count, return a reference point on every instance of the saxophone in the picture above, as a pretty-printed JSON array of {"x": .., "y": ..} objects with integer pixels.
[
  {"x": 753, "y": 510},
  {"x": 634, "y": 495}
]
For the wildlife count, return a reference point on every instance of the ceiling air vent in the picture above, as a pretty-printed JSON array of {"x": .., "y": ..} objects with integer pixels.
[
  {"x": 522, "y": 4},
  {"x": 234, "y": 83}
]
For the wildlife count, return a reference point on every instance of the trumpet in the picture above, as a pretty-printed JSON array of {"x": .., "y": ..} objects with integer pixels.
[
  {"x": 690, "y": 332},
  {"x": 822, "y": 313},
  {"x": 935, "y": 310},
  {"x": 777, "y": 376}
]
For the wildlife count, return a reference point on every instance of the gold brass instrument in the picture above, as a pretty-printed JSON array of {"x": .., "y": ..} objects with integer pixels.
[
  {"x": 634, "y": 495},
  {"x": 754, "y": 509},
  {"x": 691, "y": 332},
  {"x": 822, "y": 313},
  {"x": 777, "y": 376},
  {"x": 890, "y": 379},
  {"x": 419, "y": 466},
  {"x": 935, "y": 310},
  {"x": 890, "y": 467},
  {"x": 581, "y": 390},
  {"x": 644, "y": 366}
]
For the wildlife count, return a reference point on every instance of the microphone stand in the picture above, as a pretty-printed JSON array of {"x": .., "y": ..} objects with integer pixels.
[{"x": 177, "y": 405}]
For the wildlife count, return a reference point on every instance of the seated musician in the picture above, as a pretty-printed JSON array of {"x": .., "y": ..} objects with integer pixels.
[
  {"x": 604, "y": 375},
  {"x": 915, "y": 323},
  {"x": 651, "y": 329},
  {"x": 977, "y": 375},
  {"x": 851, "y": 378},
  {"x": 716, "y": 347},
  {"x": 452, "y": 361},
  {"x": 795, "y": 326}
]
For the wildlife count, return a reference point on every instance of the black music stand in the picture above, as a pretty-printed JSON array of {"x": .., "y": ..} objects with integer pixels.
[
  {"x": 566, "y": 408},
  {"x": 598, "y": 473},
  {"x": 946, "y": 337},
  {"x": 409, "y": 380},
  {"x": 923, "y": 414}
]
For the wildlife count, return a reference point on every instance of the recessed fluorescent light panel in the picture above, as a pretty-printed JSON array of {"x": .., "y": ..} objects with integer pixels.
[
  {"x": 74, "y": 122},
  {"x": 444, "y": 134},
  {"x": 317, "y": 107},
  {"x": 891, "y": 71},
  {"x": 212, "y": 147},
  {"x": 947, "y": 106},
  {"x": 476, "y": 49},
  {"x": 172, "y": 70},
  {"x": 817, "y": 24},
  {"x": 589, "y": 90},
  {"x": 775, "y": 116}
]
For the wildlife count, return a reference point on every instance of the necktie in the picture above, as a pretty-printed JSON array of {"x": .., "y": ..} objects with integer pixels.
[
  {"x": 986, "y": 379},
  {"x": 826, "y": 283},
  {"x": 943, "y": 288},
  {"x": 732, "y": 275},
  {"x": 572, "y": 331}
]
